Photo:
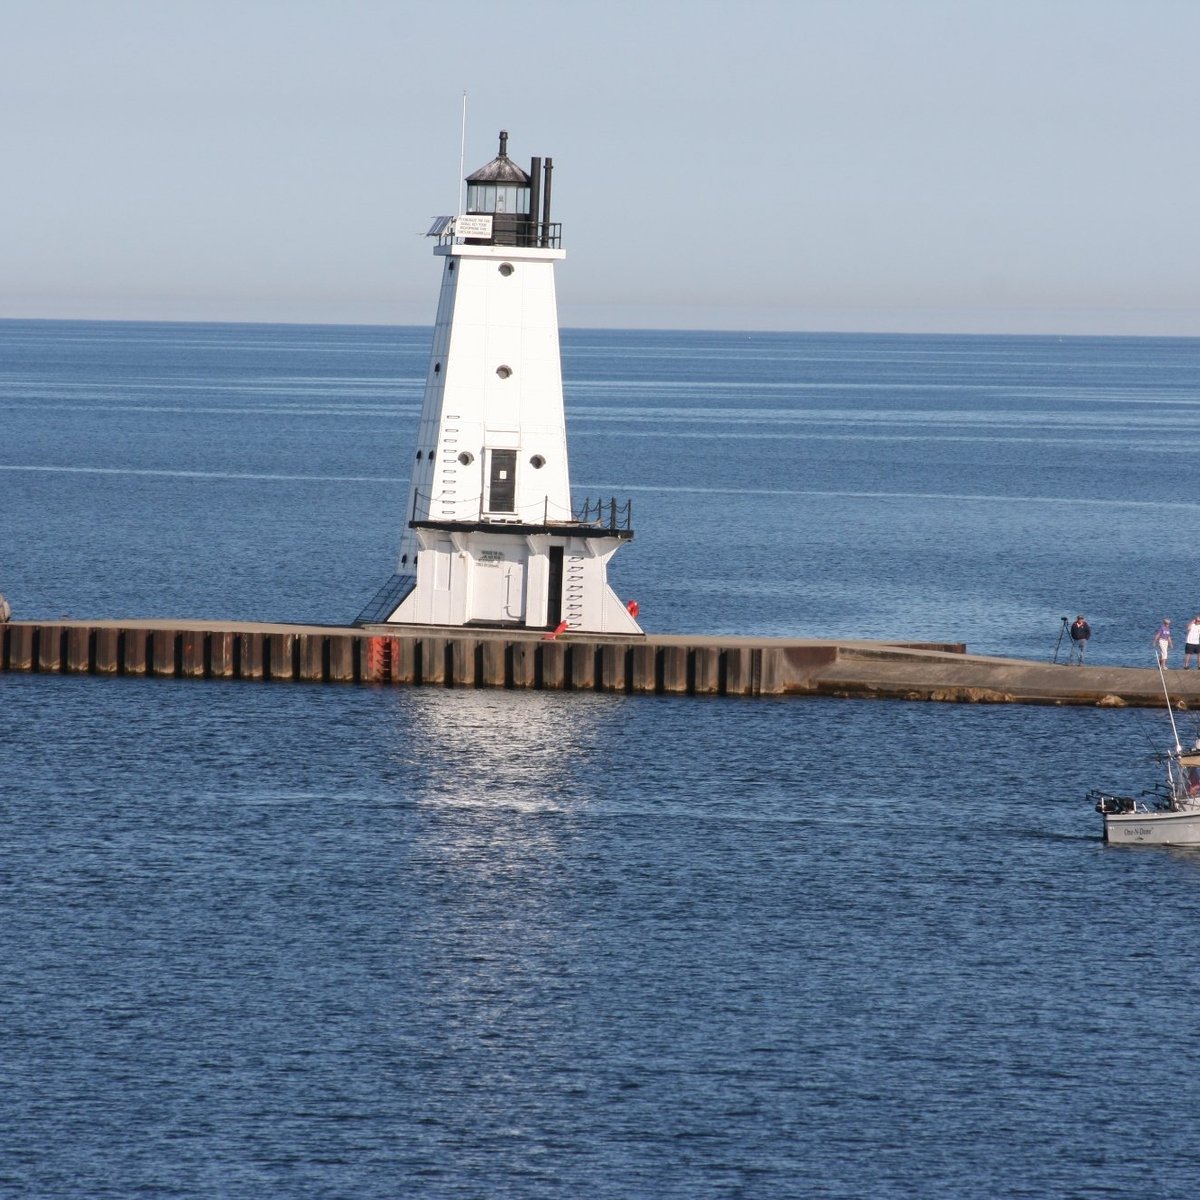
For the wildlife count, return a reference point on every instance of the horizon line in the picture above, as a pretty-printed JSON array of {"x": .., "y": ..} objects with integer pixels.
[{"x": 686, "y": 329}]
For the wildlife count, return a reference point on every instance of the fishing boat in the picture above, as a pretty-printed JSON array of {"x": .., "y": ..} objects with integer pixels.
[{"x": 1167, "y": 814}]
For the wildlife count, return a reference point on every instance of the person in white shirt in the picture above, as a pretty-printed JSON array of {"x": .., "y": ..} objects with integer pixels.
[{"x": 1191, "y": 644}]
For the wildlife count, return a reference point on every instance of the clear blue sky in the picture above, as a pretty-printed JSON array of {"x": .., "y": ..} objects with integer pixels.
[{"x": 960, "y": 165}]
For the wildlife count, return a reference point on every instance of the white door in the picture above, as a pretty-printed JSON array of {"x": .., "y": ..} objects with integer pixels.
[{"x": 498, "y": 586}]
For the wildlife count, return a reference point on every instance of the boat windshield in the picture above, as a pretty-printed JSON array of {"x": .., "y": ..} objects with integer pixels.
[{"x": 1190, "y": 769}]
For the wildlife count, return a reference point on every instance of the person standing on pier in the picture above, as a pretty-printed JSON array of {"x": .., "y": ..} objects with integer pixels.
[
  {"x": 1162, "y": 641},
  {"x": 1191, "y": 643},
  {"x": 1080, "y": 632},
  {"x": 5, "y": 609}
]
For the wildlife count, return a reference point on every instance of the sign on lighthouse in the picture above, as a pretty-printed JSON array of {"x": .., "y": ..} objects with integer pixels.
[{"x": 492, "y": 538}]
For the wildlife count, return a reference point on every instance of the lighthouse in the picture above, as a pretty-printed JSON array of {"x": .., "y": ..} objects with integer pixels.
[{"x": 491, "y": 536}]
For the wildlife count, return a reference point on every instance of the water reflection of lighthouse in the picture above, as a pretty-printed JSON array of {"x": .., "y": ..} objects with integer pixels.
[
  {"x": 492, "y": 538},
  {"x": 519, "y": 759}
]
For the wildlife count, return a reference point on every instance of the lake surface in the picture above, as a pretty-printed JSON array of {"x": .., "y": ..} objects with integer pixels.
[{"x": 310, "y": 941}]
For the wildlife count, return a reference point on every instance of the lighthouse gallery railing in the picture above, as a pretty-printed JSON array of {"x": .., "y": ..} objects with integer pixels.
[{"x": 595, "y": 514}]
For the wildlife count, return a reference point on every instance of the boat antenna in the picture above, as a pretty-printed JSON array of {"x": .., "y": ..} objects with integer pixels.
[{"x": 1170, "y": 710}]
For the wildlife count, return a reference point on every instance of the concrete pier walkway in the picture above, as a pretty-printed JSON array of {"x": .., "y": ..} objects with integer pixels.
[{"x": 665, "y": 663}]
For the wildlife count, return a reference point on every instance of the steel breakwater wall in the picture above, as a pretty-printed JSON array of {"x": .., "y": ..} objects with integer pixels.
[
  {"x": 658, "y": 663},
  {"x": 335, "y": 655}
]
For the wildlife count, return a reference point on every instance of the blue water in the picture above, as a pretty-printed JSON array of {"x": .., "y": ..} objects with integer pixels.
[{"x": 309, "y": 941}]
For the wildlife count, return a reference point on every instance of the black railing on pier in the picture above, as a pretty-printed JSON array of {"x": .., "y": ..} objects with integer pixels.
[{"x": 606, "y": 514}]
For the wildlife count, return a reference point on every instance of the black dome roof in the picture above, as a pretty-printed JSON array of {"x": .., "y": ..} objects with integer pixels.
[{"x": 501, "y": 169}]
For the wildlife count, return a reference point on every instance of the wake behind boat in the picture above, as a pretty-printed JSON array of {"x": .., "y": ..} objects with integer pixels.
[{"x": 1167, "y": 814}]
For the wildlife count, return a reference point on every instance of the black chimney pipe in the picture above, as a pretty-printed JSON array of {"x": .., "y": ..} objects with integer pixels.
[
  {"x": 535, "y": 186},
  {"x": 546, "y": 204}
]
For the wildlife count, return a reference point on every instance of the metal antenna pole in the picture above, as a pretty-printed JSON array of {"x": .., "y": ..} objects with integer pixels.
[{"x": 462, "y": 156}]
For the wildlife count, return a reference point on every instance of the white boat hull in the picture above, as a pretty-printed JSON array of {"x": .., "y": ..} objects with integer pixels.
[{"x": 1178, "y": 828}]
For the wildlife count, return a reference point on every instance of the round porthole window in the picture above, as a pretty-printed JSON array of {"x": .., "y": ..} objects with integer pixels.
[
  {"x": 537, "y": 462},
  {"x": 504, "y": 372},
  {"x": 506, "y": 269},
  {"x": 466, "y": 458}
]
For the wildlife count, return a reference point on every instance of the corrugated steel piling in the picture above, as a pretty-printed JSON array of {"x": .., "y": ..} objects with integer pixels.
[
  {"x": 315, "y": 654},
  {"x": 487, "y": 658}
]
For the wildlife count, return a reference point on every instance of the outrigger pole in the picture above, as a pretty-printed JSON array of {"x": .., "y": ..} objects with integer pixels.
[{"x": 1167, "y": 697}]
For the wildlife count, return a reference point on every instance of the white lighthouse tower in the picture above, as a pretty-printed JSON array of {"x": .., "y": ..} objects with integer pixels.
[{"x": 491, "y": 537}]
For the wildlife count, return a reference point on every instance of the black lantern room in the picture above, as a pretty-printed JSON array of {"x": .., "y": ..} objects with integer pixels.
[{"x": 518, "y": 202}]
